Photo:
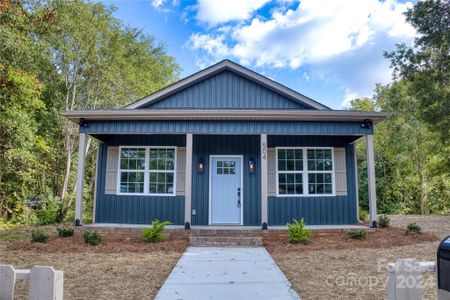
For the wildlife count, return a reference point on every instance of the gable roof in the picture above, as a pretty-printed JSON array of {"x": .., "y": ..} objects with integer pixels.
[{"x": 235, "y": 68}]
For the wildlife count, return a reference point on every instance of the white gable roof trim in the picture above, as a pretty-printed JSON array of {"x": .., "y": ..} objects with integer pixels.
[{"x": 227, "y": 64}]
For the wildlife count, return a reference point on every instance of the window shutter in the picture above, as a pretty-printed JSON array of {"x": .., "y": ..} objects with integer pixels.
[
  {"x": 340, "y": 171},
  {"x": 271, "y": 172},
  {"x": 181, "y": 171},
  {"x": 112, "y": 164}
]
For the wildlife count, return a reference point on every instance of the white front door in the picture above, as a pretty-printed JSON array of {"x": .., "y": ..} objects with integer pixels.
[{"x": 226, "y": 190}]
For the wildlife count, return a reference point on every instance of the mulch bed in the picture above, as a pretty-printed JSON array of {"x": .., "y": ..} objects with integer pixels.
[
  {"x": 110, "y": 244},
  {"x": 339, "y": 240}
]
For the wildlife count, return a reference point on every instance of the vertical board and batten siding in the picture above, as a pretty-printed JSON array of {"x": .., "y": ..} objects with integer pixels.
[
  {"x": 329, "y": 128},
  {"x": 132, "y": 209},
  {"x": 317, "y": 210},
  {"x": 249, "y": 147},
  {"x": 226, "y": 90}
]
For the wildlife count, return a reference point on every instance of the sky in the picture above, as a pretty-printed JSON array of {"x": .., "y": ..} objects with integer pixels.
[{"x": 329, "y": 50}]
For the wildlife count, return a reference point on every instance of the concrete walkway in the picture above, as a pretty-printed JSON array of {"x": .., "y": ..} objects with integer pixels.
[{"x": 226, "y": 273}]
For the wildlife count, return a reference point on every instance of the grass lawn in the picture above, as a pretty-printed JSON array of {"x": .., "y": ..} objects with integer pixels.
[
  {"x": 357, "y": 269},
  {"x": 119, "y": 268}
]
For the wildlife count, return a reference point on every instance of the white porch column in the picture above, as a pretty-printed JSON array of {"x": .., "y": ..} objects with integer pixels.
[
  {"x": 188, "y": 181},
  {"x": 80, "y": 180},
  {"x": 264, "y": 200},
  {"x": 371, "y": 180}
]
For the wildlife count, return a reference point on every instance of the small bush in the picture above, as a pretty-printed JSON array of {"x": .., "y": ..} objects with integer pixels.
[
  {"x": 65, "y": 232},
  {"x": 357, "y": 234},
  {"x": 155, "y": 233},
  {"x": 384, "y": 221},
  {"x": 49, "y": 211},
  {"x": 92, "y": 238},
  {"x": 38, "y": 236},
  {"x": 413, "y": 228},
  {"x": 363, "y": 214},
  {"x": 298, "y": 233}
]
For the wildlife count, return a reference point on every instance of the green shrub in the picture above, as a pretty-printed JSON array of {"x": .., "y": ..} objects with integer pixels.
[
  {"x": 38, "y": 236},
  {"x": 92, "y": 238},
  {"x": 155, "y": 233},
  {"x": 49, "y": 211},
  {"x": 357, "y": 234},
  {"x": 65, "y": 232},
  {"x": 298, "y": 233},
  {"x": 413, "y": 228},
  {"x": 363, "y": 214},
  {"x": 384, "y": 221}
]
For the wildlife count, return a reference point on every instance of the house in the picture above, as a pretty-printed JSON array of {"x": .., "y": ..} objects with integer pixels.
[{"x": 226, "y": 146}]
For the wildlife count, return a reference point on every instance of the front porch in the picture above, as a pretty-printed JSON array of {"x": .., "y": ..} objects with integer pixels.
[{"x": 265, "y": 200}]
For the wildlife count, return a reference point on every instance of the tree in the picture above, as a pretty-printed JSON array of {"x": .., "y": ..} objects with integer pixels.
[
  {"x": 75, "y": 55},
  {"x": 426, "y": 65},
  {"x": 409, "y": 176}
]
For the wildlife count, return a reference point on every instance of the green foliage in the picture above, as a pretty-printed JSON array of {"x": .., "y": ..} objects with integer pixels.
[
  {"x": 408, "y": 156},
  {"x": 413, "y": 228},
  {"x": 298, "y": 233},
  {"x": 363, "y": 215},
  {"x": 92, "y": 238},
  {"x": 38, "y": 236},
  {"x": 155, "y": 233},
  {"x": 65, "y": 231},
  {"x": 384, "y": 221},
  {"x": 426, "y": 66},
  {"x": 56, "y": 56},
  {"x": 49, "y": 211},
  {"x": 357, "y": 234}
]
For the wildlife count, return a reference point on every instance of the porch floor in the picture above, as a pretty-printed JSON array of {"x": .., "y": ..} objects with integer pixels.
[{"x": 222, "y": 227}]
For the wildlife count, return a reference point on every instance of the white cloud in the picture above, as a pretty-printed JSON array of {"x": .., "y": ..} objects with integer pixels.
[
  {"x": 348, "y": 97},
  {"x": 215, "y": 12},
  {"x": 157, "y": 3},
  {"x": 343, "y": 41}
]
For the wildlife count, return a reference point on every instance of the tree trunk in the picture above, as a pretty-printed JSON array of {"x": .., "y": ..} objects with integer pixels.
[
  {"x": 68, "y": 147},
  {"x": 422, "y": 185}
]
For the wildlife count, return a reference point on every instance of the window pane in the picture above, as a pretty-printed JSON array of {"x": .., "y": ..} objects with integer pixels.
[
  {"x": 290, "y": 165},
  {"x": 281, "y": 165},
  {"x": 281, "y": 178},
  {"x": 132, "y": 182},
  {"x": 281, "y": 153}
]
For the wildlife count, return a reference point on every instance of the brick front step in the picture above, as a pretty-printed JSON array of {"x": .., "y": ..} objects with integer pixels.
[
  {"x": 226, "y": 232},
  {"x": 221, "y": 241}
]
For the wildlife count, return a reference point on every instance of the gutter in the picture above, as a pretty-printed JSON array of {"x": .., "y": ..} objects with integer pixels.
[{"x": 227, "y": 115}]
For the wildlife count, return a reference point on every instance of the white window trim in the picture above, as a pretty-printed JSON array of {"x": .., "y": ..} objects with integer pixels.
[
  {"x": 305, "y": 173},
  {"x": 147, "y": 172}
]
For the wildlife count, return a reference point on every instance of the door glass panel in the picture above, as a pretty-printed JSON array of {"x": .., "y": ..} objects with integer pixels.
[{"x": 226, "y": 167}]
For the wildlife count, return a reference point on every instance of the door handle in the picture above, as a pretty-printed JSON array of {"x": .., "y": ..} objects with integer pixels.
[{"x": 239, "y": 197}]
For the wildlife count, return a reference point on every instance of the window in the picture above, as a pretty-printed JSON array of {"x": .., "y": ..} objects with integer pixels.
[
  {"x": 132, "y": 170},
  {"x": 226, "y": 167},
  {"x": 320, "y": 171},
  {"x": 162, "y": 171},
  {"x": 304, "y": 171},
  {"x": 147, "y": 170},
  {"x": 290, "y": 171}
]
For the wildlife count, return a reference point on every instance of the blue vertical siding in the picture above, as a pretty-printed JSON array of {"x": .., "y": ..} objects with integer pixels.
[
  {"x": 226, "y": 90},
  {"x": 133, "y": 209},
  {"x": 226, "y": 127},
  {"x": 249, "y": 147},
  {"x": 316, "y": 210}
]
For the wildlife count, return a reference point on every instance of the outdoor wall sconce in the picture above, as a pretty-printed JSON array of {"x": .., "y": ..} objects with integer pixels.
[
  {"x": 366, "y": 124},
  {"x": 201, "y": 165},
  {"x": 251, "y": 165}
]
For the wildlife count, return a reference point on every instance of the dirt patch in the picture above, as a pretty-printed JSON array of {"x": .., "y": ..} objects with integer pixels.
[
  {"x": 339, "y": 240},
  {"x": 119, "y": 268},
  {"x": 330, "y": 268},
  {"x": 110, "y": 244},
  {"x": 91, "y": 275}
]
